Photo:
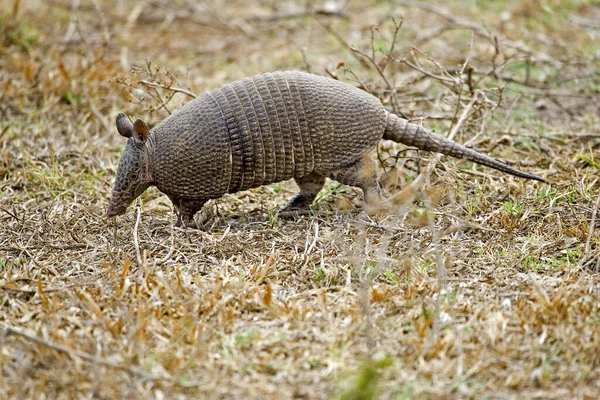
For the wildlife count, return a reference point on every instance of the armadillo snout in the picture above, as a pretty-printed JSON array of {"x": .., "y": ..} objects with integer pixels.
[
  {"x": 121, "y": 199},
  {"x": 123, "y": 194},
  {"x": 130, "y": 181},
  {"x": 115, "y": 209}
]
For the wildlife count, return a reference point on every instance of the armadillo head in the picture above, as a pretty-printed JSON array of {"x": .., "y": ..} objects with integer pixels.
[{"x": 133, "y": 176}]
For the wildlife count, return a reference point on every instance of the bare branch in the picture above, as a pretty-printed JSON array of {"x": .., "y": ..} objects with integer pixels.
[
  {"x": 481, "y": 31},
  {"x": 167, "y": 87}
]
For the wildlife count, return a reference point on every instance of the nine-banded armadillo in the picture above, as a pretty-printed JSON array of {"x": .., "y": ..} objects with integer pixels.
[{"x": 267, "y": 129}]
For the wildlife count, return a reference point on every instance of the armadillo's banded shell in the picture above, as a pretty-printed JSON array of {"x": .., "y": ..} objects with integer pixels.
[{"x": 264, "y": 129}]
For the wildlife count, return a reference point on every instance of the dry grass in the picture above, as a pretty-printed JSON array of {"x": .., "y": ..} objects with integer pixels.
[{"x": 479, "y": 285}]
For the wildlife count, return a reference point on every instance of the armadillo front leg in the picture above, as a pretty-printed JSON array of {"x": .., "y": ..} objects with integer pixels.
[
  {"x": 186, "y": 211},
  {"x": 310, "y": 185}
]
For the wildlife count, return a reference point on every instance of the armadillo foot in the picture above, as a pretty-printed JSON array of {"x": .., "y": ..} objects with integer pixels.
[
  {"x": 185, "y": 221},
  {"x": 187, "y": 210},
  {"x": 361, "y": 174},
  {"x": 310, "y": 185},
  {"x": 298, "y": 205}
]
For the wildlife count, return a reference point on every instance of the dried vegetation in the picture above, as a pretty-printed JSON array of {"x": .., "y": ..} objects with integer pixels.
[{"x": 478, "y": 284}]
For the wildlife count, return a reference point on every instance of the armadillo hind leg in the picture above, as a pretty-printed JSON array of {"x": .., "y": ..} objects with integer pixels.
[
  {"x": 310, "y": 185},
  {"x": 361, "y": 174},
  {"x": 186, "y": 211}
]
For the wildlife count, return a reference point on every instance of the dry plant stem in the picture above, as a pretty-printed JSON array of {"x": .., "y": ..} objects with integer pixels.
[
  {"x": 377, "y": 65},
  {"x": 73, "y": 21},
  {"x": 307, "y": 64},
  {"x": 439, "y": 65},
  {"x": 171, "y": 247},
  {"x": 435, "y": 239},
  {"x": 309, "y": 248},
  {"x": 299, "y": 14},
  {"x": 48, "y": 290},
  {"x": 397, "y": 27},
  {"x": 10, "y": 330},
  {"x": 136, "y": 242},
  {"x": 168, "y": 87},
  {"x": 588, "y": 242},
  {"x": 343, "y": 42},
  {"x": 460, "y": 85},
  {"x": 425, "y": 72},
  {"x": 442, "y": 276},
  {"x": 195, "y": 15},
  {"x": 479, "y": 30},
  {"x": 107, "y": 127},
  {"x": 463, "y": 117},
  {"x": 361, "y": 84},
  {"x": 103, "y": 22}
]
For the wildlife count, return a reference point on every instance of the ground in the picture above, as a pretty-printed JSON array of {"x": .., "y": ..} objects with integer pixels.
[{"x": 475, "y": 284}]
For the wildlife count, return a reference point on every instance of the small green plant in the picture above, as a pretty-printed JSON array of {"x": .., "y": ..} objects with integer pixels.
[
  {"x": 273, "y": 218},
  {"x": 184, "y": 380},
  {"x": 426, "y": 265},
  {"x": 365, "y": 381},
  {"x": 244, "y": 339},
  {"x": 419, "y": 212},
  {"x": 471, "y": 201},
  {"x": 573, "y": 255},
  {"x": 318, "y": 274},
  {"x": 370, "y": 268},
  {"x": 71, "y": 98},
  {"x": 427, "y": 313},
  {"x": 590, "y": 161},
  {"x": 468, "y": 329},
  {"x": 21, "y": 33},
  {"x": 513, "y": 208},
  {"x": 330, "y": 188},
  {"x": 390, "y": 277},
  {"x": 555, "y": 262},
  {"x": 546, "y": 192},
  {"x": 531, "y": 263}
]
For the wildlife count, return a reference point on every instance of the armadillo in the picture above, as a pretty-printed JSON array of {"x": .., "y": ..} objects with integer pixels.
[{"x": 267, "y": 129}]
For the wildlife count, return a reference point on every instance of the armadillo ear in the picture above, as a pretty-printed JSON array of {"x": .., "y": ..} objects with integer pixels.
[
  {"x": 124, "y": 125},
  {"x": 140, "y": 131}
]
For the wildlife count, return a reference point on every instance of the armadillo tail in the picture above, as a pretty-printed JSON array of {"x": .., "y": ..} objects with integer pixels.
[{"x": 401, "y": 131}]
